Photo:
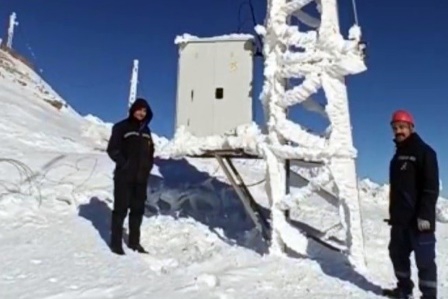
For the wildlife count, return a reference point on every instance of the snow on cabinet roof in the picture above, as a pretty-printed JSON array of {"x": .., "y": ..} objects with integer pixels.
[{"x": 186, "y": 38}]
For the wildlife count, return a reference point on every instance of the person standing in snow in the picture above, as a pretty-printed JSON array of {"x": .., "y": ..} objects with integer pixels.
[
  {"x": 132, "y": 149},
  {"x": 414, "y": 190}
]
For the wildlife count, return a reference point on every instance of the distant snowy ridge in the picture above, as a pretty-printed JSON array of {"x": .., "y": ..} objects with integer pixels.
[
  {"x": 21, "y": 85},
  {"x": 380, "y": 194},
  {"x": 373, "y": 192},
  {"x": 20, "y": 73}
]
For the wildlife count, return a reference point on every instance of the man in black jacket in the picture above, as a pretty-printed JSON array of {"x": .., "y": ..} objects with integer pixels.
[
  {"x": 414, "y": 190},
  {"x": 132, "y": 149}
]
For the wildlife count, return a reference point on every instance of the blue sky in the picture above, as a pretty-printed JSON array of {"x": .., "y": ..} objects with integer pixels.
[{"x": 85, "y": 50}]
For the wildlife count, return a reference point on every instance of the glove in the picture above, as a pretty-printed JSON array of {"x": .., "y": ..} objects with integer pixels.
[{"x": 423, "y": 224}]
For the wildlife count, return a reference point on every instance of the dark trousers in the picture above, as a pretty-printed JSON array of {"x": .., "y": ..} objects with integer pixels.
[
  {"x": 132, "y": 196},
  {"x": 402, "y": 242}
]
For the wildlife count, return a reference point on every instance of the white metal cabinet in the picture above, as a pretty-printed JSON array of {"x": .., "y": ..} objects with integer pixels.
[{"x": 214, "y": 89}]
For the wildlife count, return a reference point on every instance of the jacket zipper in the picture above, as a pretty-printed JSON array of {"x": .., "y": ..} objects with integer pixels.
[{"x": 140, "y": 135}]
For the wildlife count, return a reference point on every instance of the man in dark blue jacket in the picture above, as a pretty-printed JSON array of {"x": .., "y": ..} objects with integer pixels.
[
  {"x": 132, "y": 149},
  {"x": 414, "y": 190}
]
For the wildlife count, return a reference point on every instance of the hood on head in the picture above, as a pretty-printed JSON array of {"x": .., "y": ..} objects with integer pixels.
[{"x": 141, "y": 103}]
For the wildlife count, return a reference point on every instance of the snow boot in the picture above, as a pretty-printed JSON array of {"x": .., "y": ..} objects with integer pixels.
[
  {"x": 139, "y": 248},
  {"x": 116, "y": 241},
  {"x": 117, "y": 249},
  {"x": 397, "y": 294}
]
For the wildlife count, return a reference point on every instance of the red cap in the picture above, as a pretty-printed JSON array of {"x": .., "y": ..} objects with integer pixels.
[{"x": 402, "y": 115}]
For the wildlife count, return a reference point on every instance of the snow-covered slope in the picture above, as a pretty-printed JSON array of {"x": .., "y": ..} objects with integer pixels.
[
  {"x": 55, "y": 204},
  {"x": 33, "y": 116}
]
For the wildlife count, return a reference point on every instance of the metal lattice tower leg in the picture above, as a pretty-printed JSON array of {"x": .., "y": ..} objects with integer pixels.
[{"x": 323, "y": 62}]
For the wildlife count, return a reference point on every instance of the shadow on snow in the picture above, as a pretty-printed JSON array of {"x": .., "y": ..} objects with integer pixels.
[
  {"x": 337, "y": 265},
  {"x": 99, "y": 214},
  {"x": 184, "y": 191}
]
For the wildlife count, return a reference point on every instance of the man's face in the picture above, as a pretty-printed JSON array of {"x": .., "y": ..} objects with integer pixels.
[
  {"x": 140, "y": 114},
  {"x": 402, "y": 130}
]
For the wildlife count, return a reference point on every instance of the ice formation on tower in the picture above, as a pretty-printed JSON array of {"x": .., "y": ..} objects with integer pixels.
[{"x": 322, "y": 60}]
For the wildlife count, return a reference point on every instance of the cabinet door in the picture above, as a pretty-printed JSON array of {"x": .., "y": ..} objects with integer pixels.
[
  {"x": 202, "y": 112},
  {"x": 232, "y": 94},
  {"x": 197, "y": 76},
  {"x": 185, "y": 84}
]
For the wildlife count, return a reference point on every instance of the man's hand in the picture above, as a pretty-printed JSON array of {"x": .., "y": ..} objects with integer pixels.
[{"x": 423, "y": 224}]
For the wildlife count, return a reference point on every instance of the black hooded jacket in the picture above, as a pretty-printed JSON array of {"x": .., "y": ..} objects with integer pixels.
[
  {"x": 131, "y": 146},
  {"x": 414, "y": 183}
]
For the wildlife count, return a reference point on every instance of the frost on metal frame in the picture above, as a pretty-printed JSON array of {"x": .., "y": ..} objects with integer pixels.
[
  {"x": 185, "y": 38},
  {"x": 323, "y": 61},
  {"x": 247, "y": 137}
]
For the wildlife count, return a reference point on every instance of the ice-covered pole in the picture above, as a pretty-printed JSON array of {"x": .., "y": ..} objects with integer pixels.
[
  {"x": 134, "y": 82},
  {"x": 274, "y": 87},
  {"x": 343, "y": 167},
  {"x": 12, "y": 24}
]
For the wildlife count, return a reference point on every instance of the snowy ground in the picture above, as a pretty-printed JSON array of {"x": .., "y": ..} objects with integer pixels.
[{"x": 55, "y": 204}]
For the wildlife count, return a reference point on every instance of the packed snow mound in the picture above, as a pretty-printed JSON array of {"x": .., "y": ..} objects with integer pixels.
[
  {"x": 186, "y": 37},
  {"x": 247, "y": 137}
]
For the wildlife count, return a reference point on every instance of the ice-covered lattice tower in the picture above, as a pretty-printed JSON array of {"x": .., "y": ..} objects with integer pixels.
[{"x": 321, "y": 58}]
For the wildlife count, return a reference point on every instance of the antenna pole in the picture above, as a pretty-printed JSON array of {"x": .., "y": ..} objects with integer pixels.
[
  {"x": 12, "y": 24},
  {"x": 134, "y": 82}
]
